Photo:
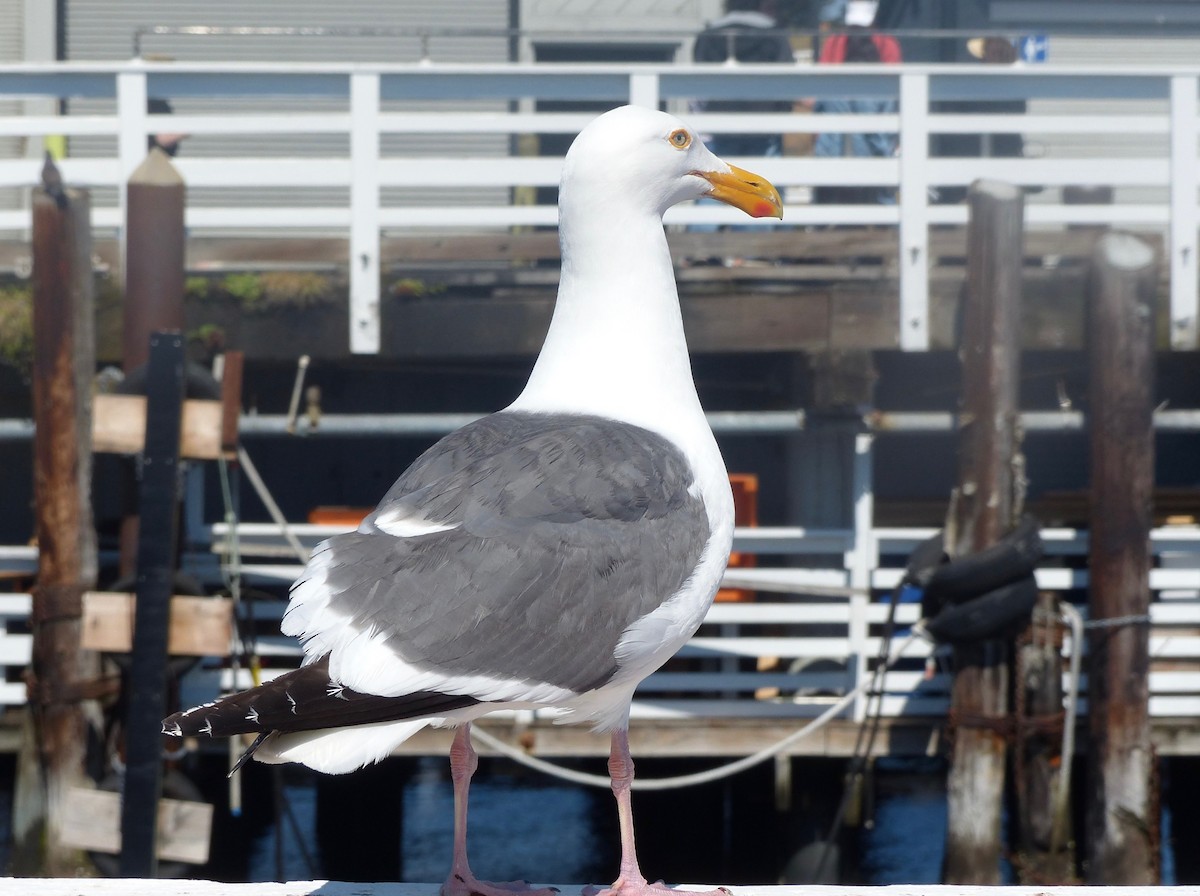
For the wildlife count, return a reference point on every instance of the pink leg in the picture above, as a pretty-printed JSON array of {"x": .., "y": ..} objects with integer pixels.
[
  {"x": 631, "y": 882},
  {"x": 461, "y": 882}
]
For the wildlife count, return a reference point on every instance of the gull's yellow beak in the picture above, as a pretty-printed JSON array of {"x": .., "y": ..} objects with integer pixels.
[{"x": 754, "y": 195}]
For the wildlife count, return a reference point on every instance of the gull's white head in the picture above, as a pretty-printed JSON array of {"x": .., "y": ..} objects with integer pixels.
[{"x": 653, "y": 160}]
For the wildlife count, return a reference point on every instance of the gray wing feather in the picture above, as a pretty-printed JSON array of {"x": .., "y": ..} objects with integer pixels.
[{"x": 567, "y": 530}]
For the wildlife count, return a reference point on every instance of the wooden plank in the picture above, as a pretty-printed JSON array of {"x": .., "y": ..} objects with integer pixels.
[
  {"x": 501, "y": 327},
  {"x": 200, "y": 626},
  {"x": 184, "y": 826},
  {"x": 231, "y": 399},
  {"x": 119, "y": 426}
]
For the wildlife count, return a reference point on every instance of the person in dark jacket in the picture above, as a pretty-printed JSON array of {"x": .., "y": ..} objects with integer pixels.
[{"x": 750, "y": 33}]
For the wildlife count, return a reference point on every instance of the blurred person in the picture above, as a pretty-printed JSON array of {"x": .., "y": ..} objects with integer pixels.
[
  {"x": 856, "y": 45},
  {"x": 989, "y": 51},
  {"x": 749, "y": 30}
]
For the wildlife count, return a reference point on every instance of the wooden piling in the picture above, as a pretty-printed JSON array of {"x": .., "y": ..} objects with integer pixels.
[
  {"x": 1122, "y": 808},
  {"x": 982, "y": 511},
  {"x": 154, "y": 261},
  {"x": 1045, "y": 850},
  {"x": 154, "y": 255},
  {"x": 60, "y": 672}
]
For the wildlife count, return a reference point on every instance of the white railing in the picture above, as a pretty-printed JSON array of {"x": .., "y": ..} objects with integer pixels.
[
  {"x": 817, "y": 626},
  {"x": 363, "y": 106}
]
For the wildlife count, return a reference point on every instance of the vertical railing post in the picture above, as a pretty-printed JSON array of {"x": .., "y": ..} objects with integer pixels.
[
  {"x": 864, "y": 559},
  {"x": 914, "y": 223},
  {"x": 1185, "y": 222},
  {"x": 131, "y": 135},
  {"x": 364, "y": 213},
  {"x": 643, "y": 89}
]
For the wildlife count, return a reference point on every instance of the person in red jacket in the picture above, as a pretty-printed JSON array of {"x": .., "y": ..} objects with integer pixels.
[{"x": 856, "y": 45}]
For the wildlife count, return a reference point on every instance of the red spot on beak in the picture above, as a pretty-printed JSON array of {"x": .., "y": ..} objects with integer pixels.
[{"x": 764, "y": 210}]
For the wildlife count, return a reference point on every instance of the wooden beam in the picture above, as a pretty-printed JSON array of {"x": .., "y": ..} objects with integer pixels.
[
  {"x": 199, "y": 626},
  {"x": 231, "y": 402},
  {"x": 506, "y": 327},
  {"x": 119, "y": 426},
  {"x": 184, "y": 826}
]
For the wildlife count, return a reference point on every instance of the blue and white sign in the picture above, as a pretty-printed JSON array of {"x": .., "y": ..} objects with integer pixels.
[{"x": 1033, "y": 48}]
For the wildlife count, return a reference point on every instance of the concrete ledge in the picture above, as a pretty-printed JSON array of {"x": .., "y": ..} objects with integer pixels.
[{"x": 77, "y": 887}]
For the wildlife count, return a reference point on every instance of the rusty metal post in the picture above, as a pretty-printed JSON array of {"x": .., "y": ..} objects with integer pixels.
[
  {"x": 60, "y": 671},
  {"x": 1122, "y": 806},
  {"x": 155, "y": 262},
  {"x": 986, "y": 502}
]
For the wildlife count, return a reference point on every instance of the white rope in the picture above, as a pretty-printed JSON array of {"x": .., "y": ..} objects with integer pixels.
[
  {"x": 704, "y": 777},
  {"x": 1118, "y": 621}
]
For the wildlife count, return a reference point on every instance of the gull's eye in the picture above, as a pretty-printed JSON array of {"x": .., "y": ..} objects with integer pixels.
[{"x": 680, "y": 138}]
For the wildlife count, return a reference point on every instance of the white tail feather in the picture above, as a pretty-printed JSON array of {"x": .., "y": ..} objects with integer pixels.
[{"x": 337, "y": 751}]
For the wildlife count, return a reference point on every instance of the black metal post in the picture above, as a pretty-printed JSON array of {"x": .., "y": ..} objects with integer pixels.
[{"x": 155, "y": 574}]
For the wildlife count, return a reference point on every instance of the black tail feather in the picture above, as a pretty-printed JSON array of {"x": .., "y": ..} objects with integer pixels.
[{"x": 305, "y": 699}]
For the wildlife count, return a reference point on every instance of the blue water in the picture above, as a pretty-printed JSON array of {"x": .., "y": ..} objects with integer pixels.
[
  {"x": 905, "y": 843},
  {"x": 529, "y": 825},
  {"x": 519, "y": 826}
]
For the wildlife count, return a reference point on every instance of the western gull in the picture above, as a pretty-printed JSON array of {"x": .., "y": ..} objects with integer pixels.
[{"x": 552, "y": 554}]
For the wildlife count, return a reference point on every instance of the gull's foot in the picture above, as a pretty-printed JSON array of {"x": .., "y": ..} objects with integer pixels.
[
  {"x": 639, "y": 887},
  {"x": 469, "y": 885}
]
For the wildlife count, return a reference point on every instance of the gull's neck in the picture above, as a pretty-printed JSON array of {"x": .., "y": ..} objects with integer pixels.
[{"x": 616, "y": 345}]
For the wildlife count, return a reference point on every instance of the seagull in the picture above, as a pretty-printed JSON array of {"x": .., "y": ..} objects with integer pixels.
[
  {"x": 52, "y": 181},
  {"x": 550, "y": 555}
]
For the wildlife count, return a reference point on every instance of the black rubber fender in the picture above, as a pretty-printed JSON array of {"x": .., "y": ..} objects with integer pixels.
[
  {"x": 1013, "y": 557},
  {"x": 926, "y": 559},
  {"x": 1000, "y": 613}
]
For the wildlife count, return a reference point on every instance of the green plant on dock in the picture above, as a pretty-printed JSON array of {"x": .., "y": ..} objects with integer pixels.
[
  {"x": 245, "y": 287},
  {"x": 412, "y": 287},
  {"x": 208, "y": 338},
  {"x": 295, "y": 289},
  {"x": 16, "y": 327},
  {"x": 265, "y": 291},
  {"x": 197, "y": 287}
]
